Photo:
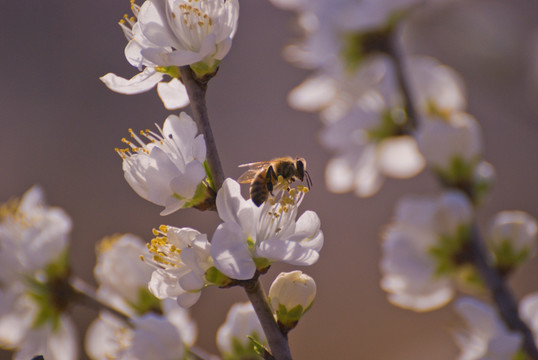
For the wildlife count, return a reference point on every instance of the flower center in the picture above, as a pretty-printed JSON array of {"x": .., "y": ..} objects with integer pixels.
[
  {"x": 191, "y": 23},
  {"x": 164, "y": 254}
]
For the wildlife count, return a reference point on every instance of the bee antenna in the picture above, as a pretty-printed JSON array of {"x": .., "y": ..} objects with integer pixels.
[{"x": 308, "y": 179}]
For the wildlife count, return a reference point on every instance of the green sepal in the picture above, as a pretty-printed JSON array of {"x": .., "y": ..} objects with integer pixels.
[
  {"x": 204, "y": 70},
  {"x": 246, "y": 351},
  {"x": 172, "y": 71},
  {"x": 203, "y": 199},
  {"x": 214, "y": 276},
  {"x": 507, "y": 257},
  {"x": 146, "y": 302},
  {"x": 450, "y": 251},
  {"x": 520, "y": 355},
  {"x": 390, "y": 125},
  {"x": 262, "y": 264},
  {"x": 258, "y": 347},
  {"x": 58, "y": 268},
  {"x": 209, "y": 175},
  {"x": 289, "y": 318}
]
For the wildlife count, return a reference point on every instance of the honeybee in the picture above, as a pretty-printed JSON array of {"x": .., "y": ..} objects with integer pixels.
[{"x": 263, "y": 176}]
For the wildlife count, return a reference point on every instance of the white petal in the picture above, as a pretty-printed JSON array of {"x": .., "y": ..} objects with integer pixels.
[
  {"x": 230, "y": 201},
  {"x": 139, "y": 83},
  {"x": 399, "y": 157},
  {"x": 290, "y": 252},
  {"x": 313, "y": 94},
  {"x": 368, "y": 179},
  {"x": 339, "y": 175},
  {"x": 230, "y": 252},
  {"x": 173, "y": 94},
  {"x": 154, "y": 25},
  {"x": 164, "y": 285},
  {"x": 188, "y": 299}
]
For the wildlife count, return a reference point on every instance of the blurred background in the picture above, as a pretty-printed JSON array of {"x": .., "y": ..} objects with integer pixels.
[{"x": 59, "y": 126}]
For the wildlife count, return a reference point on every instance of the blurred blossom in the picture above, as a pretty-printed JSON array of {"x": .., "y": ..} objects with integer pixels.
[
  {"x": 122, "y": 277},
  {"x": 512, "y": 238},
  {"x": 528, "y": 309},
  {"x": 32, "y": 235},
  {"x": 168, "y": 170},
  {"x": 173, "y": 94},
  {"x": 232, "y": 336},
  {"x": 422, "y": 248},
  {"x": 33, "y": 244},
  {"x": 149, "y": 337},
  {"x": 291, "y": 295},
  {"x": 181, "y": 258},
  {"x": 448, "y": 145},
  {"x": 253, "y": 237},
  {"x": 185, "y": 32},
  {"x": 484, "y": 336}
]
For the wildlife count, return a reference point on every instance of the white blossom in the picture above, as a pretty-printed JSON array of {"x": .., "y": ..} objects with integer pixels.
[
  {"x": 513, "y": 237},
  {"x": 168, "y": 170},
  {"x": 416, "y": 265},
  {"x": 32, "y": 235},
  {"x": 186, "y": 32},
  {"x": 484, "y": 337},
  {"x": 528, "y": 309},
  {"x": 122, "y": 277},
  {"x": 444, "y": 142},
  {"x": 172, "y": 93},
  {"x": 252, "y": 235},
  {"x": 181, "y": 258},
  {"x": 240, "y": 323},
  {"x": 19, "y": 332},
  {"x": 150, "y": 337}
]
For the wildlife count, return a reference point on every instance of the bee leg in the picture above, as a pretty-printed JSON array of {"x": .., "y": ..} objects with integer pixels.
[{"x": 270, "y": 176}]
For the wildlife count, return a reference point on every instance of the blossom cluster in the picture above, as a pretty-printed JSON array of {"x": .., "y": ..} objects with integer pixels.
[{"x": 388, "y": 113}]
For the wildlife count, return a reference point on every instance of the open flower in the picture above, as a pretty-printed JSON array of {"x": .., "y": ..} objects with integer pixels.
[
  {"x": 232, "y": 337},
  {"x": 32, "y": 235},
  {"x": 123, "y": 279},
  {"x": 169, "y": 169},
  {"x": 186, "y": 32},
  {"x": 173, "y": 93},
  {"x": 253, "y": 237},
  {"x": 484, "y": 337},
  {"x": 149, "y": 337},
  {"x": 421, "y": 248},
  {"x": 181, "y": 258}
]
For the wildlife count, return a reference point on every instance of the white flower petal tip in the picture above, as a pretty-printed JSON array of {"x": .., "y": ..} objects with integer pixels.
[
  {"x": 169, "y": 168},
  {"x": 173, "y": 94}
]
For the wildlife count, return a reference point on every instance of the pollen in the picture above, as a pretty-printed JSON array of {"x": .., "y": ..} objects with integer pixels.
[{"x": 164, "y": 254}]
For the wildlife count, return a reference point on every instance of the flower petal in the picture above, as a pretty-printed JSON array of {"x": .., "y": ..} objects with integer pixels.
[
  {"x": 173, "y": 94},
  {"x": 230, "y": 252},
  {"x": 139, "y": 83}
]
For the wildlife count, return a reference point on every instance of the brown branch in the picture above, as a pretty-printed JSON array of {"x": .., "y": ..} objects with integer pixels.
[
  {"x": 196, "y": 89},
  {"x": 506, "y": 304},
  {"x": 278, "y": 342}
]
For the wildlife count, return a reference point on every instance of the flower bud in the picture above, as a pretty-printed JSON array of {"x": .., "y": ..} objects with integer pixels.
[
  {"x": 512, "y": 238},
  {"x": 291, "y": 295}
]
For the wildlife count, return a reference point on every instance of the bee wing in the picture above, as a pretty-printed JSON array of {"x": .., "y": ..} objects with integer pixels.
[
  {"x": 247, "y": 176},
  {"x": 256, "y": 165}
]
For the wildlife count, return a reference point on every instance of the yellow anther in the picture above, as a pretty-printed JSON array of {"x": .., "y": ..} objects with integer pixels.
[
  {"x": 142, "y": 258},
  {"x": 163, "y": 228}
]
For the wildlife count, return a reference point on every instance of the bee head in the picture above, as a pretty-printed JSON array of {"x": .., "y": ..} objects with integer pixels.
[{"x": 300, "y": 165}]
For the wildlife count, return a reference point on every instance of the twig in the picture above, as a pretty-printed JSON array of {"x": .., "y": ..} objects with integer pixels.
[
  {"x": 196, "y": 90},
  {"x": 395, "y": 53},
  {"x": 278, "y": 342},
  {"x": 85, "y": 295},
  {"x": 501, "y": 295}
]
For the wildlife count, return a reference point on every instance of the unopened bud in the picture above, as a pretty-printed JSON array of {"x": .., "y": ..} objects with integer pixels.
[
  {"x": 512, "y": 238},
  {"x": 291, "y": 295}
]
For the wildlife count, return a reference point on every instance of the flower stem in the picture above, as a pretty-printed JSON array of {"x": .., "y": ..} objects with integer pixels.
[
  {"x": 278, "y": 342},
  {"x": 395, "y": 53},
  {"x": 196, "y": 90},
  {"x": 500, "y": 293},
  {"x": 85, "y": 295}
]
